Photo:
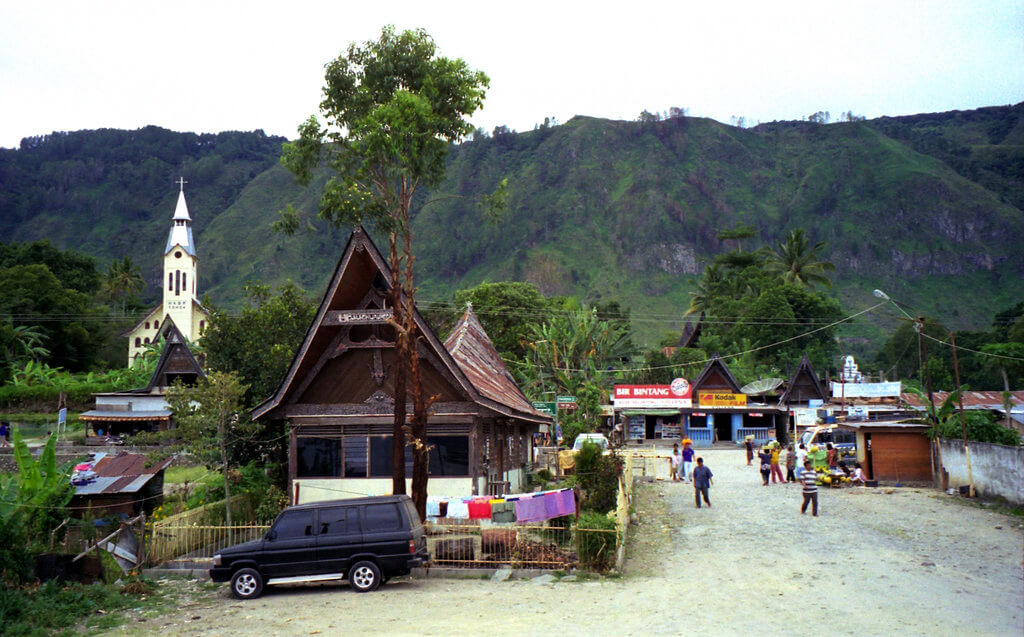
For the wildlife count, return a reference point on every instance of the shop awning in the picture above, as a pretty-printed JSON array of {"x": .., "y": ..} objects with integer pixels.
[{"x": 651, "y": 412}]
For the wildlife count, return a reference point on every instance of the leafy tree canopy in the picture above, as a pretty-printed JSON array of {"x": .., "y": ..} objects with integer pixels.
[{"x": 259, "y": 342}]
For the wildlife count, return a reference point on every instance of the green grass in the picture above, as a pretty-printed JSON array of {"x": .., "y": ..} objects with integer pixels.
[
  {"x": 181, "y": 475},
  {"x": 52, "y": 609}
]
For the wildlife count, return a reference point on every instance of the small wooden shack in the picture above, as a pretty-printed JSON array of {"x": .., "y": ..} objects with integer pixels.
[
  {"x": 338, "y": 397},
  {"x": 893, "y": 452},
  {"x": 125, "y": 484}
]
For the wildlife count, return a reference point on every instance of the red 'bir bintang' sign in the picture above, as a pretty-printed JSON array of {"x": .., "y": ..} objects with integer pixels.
[{"x": 678, "y": 394}]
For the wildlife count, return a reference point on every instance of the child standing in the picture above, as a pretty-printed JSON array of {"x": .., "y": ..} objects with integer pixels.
[
  {"x": 674, "y": 463},
  {"x": 790, "y": 464}
]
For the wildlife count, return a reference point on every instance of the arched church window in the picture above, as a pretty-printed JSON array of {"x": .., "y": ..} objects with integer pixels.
[
  {"x": 177, "y": 255},
  {"x": 202, "y": 325},
  {"x": 138, "y": 342},
  {"x": 184, "y": 283},
  {"x": 170, "y": 282},
  {"x": 147, "y": 325},
  {"x": 177, "y": 282},
  {"x": 146, "y": 340}
]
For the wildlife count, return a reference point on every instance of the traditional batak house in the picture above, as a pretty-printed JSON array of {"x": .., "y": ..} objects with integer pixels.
[
  {"x": 803, "y": 396},
  {"x": 338, "y": 397},
  {"x": 180, "y": 298},
  {"x": 721, "y": 411},
  {"x": 145, "y": 409}
]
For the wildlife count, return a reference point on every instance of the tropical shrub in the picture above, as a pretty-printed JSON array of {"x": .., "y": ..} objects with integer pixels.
[{"x": 596, "y": 540}]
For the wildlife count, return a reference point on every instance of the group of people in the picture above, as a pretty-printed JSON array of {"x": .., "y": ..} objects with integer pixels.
[
  {"x": 681, "y": 468},
  {"x": 680, "y": 463}
]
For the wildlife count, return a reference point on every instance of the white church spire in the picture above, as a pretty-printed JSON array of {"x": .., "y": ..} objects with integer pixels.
[{"x": 181, "y": 230}]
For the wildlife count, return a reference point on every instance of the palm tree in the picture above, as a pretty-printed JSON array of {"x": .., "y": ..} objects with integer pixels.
[
  {"x": 701, "y": 298},
  {"x": 28, "y": 343},
  {"x": 123, "y": 280},
  {"x": 796, "y": 261}
]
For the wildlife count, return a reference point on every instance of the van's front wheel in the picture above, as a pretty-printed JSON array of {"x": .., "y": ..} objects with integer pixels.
[
  {"x": 246, "y": 583},
  {"x": 364, "y": 577}
]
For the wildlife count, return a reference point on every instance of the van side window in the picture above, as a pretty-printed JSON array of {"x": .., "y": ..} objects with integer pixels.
[
  {"x": 294, "y": 524},
  {"x": 339, "y": 520},
  {"x": 381, "y": 517}
]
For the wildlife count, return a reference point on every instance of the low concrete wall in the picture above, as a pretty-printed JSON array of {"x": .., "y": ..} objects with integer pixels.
[{"x": 998, "y": 470}]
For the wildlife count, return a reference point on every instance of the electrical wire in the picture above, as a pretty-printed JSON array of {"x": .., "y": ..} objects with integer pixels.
[{"x": 726, "y": 356}]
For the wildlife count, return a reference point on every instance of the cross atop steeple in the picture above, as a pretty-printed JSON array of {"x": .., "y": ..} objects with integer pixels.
[{"x": 181, "y": 182}]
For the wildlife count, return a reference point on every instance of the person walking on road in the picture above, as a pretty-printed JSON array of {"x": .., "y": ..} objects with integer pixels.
[
  {"x": 810, "y": 492},
  {"x": 776, "y": 470},
  {"x": 702, "y": 482},
  {"x": 790, "y": 464},
  {"x": 749, "y": 444},
  {"x": 765, "y": 456}
]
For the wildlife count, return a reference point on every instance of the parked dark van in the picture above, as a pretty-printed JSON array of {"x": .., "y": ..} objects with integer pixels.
[{"x": 365, "y": 541}]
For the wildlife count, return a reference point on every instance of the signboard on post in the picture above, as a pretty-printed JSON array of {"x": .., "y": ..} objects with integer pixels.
[
  {"x": 566, "y": 402},
  {"x": 677, "y": 395},
  {"x": 866, "y": 390}
]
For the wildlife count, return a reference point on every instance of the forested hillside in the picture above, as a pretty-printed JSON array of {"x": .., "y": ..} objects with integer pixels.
[
  {"x": 111, "y": 193},
  {"x": 927, "y": 207}
]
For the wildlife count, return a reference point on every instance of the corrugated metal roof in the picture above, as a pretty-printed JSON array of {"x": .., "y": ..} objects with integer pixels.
[
  {"x": 475, "y": 355},
  {"x": 100, "y": 414},
  {"x": 972, "y": 399},
  {"x": 123, "y": 473}
]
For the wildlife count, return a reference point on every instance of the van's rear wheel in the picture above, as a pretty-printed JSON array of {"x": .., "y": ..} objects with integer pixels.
[
  {"x": 364, "y": 577},
  {"x": 246, "y": 583}
]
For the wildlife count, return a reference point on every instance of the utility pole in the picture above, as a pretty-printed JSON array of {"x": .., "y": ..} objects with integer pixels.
[{"x": 963, "y": 419}]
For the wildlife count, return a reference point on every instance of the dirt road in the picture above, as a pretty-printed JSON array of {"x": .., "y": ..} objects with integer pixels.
[{"x": 873, "y": 563}]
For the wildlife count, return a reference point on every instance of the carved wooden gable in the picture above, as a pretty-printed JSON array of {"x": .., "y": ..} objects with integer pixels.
[
  {"x": 348, "y": 356},
  {"x": 176, "y": 361},
  {"x": 716, "y": 376},
  {"x": 804, "y": 385}
]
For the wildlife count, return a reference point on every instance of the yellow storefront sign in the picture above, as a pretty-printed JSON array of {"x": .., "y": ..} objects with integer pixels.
[{"x": 719, "y": 399}]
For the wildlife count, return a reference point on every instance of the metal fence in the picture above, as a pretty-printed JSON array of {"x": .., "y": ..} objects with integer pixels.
[
  {"x": 553, "y": 546},
  {"x": 197, "y": 543}
]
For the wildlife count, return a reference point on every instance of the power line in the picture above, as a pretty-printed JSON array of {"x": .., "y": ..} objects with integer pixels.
[{"x": 734, "y": 355}]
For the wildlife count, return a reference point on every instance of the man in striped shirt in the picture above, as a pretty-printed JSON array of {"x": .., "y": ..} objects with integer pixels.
[{"x": 810, "y": 481}]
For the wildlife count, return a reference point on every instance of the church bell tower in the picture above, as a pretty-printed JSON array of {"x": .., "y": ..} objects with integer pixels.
[{"x": 180, "y": 266}]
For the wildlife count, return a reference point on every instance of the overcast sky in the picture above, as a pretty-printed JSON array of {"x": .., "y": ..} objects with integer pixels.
[{"x": 212, "y": 66}]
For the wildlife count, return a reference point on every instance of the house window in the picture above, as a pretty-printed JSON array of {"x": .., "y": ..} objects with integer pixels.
[
  {"x": 370, "y": 456},
  {"x": 355, "y": 456},
  {"x": 381, "y": 464},
  {"x": 138, "y": 342},
  {"x": 449, "y": 455},
  {"x": 318, "y": 458}
]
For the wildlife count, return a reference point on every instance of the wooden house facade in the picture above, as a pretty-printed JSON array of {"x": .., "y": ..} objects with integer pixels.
[{"x": 338, "y": 397}]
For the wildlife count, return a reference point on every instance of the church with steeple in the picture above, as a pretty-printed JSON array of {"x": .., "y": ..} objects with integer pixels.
[{"x": 180, "y": 287}]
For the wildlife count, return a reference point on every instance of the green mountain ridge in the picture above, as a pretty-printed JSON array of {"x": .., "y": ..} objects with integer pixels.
[{"x": 927, "y": 207}]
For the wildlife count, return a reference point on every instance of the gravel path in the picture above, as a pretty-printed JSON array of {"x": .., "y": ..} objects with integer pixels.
[{"x": 875, "y": 562}]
